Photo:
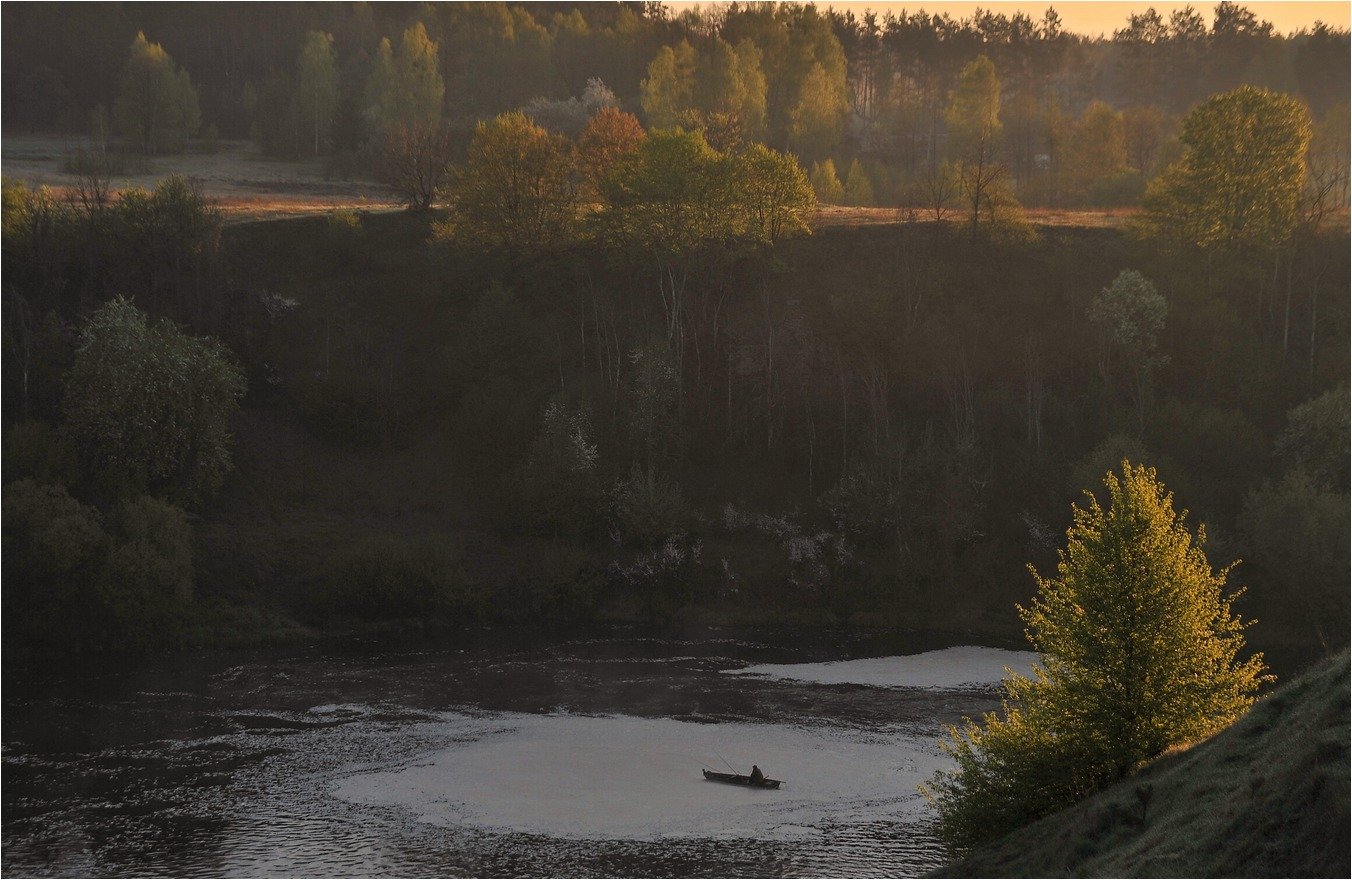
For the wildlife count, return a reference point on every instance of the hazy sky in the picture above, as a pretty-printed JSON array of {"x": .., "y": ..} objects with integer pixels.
[{"x": 1106, "y": 17}]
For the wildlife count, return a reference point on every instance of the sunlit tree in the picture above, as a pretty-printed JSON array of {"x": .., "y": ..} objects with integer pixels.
[
  {"x": 973, "y": 117},
  {"x": 608, "y": 137},
  {"x": 405, "y": 86},
  {"x": 826, "y": 183},
  {"x": 156, "y": 107},
  {"x": 1240, "y": 178},
  {"x": 668, "y": 91},
  {"x": 1139, "y": 650},
  {"x": 819, "y": 114},
  {"x": 516, "y": 191}
]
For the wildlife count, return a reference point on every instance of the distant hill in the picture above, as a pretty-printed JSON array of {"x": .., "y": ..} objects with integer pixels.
[{"x": 1267, "y": 797}]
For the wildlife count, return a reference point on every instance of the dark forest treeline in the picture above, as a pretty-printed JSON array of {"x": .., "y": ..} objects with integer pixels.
[
  {"x": 875, "y": 424},
  {"x": 1085, "y": 120}
]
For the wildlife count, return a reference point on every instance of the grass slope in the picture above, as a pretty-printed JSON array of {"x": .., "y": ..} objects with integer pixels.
[{"x": 1266, "y": 797}]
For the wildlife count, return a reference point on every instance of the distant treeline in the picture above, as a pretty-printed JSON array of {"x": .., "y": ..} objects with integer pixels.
[{"x": 1085, "y": 120}]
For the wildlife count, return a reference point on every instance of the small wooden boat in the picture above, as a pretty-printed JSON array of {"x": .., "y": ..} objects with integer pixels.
[{"x": 739, "y": 779}]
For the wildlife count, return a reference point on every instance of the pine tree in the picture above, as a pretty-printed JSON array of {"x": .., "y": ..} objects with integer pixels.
[{"x": 1139, "y": 651}]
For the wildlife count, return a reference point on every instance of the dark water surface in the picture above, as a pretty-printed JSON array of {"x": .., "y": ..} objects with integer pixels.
[{"x": 466, "y": 762}]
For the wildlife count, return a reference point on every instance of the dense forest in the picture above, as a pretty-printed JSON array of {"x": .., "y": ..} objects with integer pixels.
[
  {"x": 1085, "y": 120},
  {"x": 608, "y": 370}
]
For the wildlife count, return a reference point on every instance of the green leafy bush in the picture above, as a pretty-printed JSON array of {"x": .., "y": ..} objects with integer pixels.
[{"x": 149, "y": 407}]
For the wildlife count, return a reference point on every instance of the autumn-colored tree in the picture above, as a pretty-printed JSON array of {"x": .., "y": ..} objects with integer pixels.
[
  {"x": 609, "y": 136},
  {"x": 1239, "y": 181},
  {"x": 317, "y": 87},
  {"x": 516, "y": 191},
  {"x": 156, "y": 107},
  {"x": 1138, "y": 651}
]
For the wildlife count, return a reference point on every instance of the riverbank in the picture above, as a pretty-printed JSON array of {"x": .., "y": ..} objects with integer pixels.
[{"x": 1267, "y": 797}]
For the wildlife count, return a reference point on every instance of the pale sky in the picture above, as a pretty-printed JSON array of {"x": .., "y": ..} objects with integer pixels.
[{"x": 1093, "y": 18}]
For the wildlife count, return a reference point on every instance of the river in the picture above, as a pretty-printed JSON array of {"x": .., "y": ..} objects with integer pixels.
[{"x": 512, "y": 756}]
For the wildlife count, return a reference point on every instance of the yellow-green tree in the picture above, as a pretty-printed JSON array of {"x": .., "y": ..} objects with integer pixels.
[
  {"x": 317, "y": 86},
  {"x": 773, "y": 196},
  {"x": 826, "y": 183},
  {"x": 156, "y": 107},
  {"x": 1239, "y": 181},
  {"x": 973, "y": 119},
  {"x": 858, "y": 188},
  {"x": 1138, "y": 651},
  {"x": 819, "y": 114},
  {"x": 405, "y": 87},
  {"x": 516, "y": 191},
  {"x": 668, "y": 92}
]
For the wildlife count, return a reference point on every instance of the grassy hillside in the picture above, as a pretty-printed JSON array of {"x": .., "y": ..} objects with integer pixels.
[{"x": 1267, "y": 797}]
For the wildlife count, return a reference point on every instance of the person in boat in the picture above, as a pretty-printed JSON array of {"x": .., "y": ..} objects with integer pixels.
[{"x": 757, "y": 777}]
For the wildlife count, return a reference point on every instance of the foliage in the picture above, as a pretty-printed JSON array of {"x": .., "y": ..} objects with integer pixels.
[
  {"x": 570, "y": 116},
  {"x": 1298, "y": 529},
  {"x": 610, "y": 136},
  {"x": 405, "y": 89},
  {"x": 415, "y": 159},
  {"x": 773, "y": 197},
  {"x": 858, "y": 188},
  {"x": 814, "y": 130},
  {"x": 156, "y": 107},
  {"x": 387, "y": 576},
  {"x": 826, "y": 183},
  {"x": 973, "y": 117},
  {"x": 317, "y": 88},
  {"x": 517, "y": 191},
  {"x": 654, "y": 389},
  {"x": 149, "y": 407},
  {"x": 150, "y": 567},
  {"x": 558, "y": 486},
  {"x": 1138, "y": 650},
  {"x": 1316, "y": 438},
  {"x": 1240, "y": 178},
  {"x": 648, "y": 507},
  {"x": 70, "y": 584},
  {"x": 669, "y": 89}
]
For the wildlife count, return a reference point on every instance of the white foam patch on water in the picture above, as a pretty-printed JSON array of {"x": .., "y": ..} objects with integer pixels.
[
  {"x": 619, "y": 777},
  {"x": 967, "y": 666}
]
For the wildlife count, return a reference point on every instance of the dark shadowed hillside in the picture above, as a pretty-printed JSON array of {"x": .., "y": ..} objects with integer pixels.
[{"x": 1268, "y": 797}]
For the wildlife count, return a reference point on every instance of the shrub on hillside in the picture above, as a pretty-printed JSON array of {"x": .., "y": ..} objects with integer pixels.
[
  {"x": 389, "y": 576},
  {"x": 647, "y": 507}
]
